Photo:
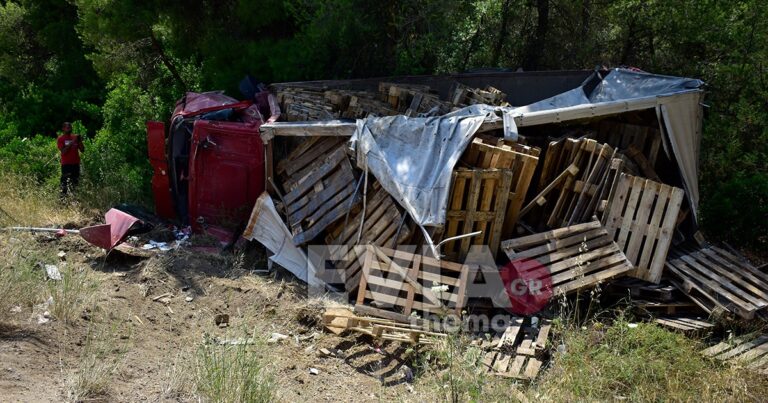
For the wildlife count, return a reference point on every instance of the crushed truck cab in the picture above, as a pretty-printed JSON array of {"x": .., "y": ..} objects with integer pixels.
[{"x": 208, "y": 166}]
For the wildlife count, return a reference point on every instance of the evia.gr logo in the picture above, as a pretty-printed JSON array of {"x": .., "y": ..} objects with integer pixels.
[{"x": 528, "y": 285}]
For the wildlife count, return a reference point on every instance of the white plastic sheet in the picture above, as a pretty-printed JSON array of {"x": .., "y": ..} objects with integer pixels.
[{"x": 266, "y": 227}]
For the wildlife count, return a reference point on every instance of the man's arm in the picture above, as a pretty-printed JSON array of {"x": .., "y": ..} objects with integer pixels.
[{"x": 80, "y": 145}]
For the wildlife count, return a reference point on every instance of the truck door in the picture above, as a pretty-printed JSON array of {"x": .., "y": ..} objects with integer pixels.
[
  {"x": 161, "y": 187},
  {"x": 226, "y": 176}
]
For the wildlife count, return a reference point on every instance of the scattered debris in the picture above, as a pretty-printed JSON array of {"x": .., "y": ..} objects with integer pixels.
[
  {"x": 314, "y": 371},
  {"x": 275, "y": 337},
  {"x": 221, "y": 320},
  {"x": 53, "y": 272},
  {"x": 518, "y": 351},
  {"x": 343, "y": 319}
]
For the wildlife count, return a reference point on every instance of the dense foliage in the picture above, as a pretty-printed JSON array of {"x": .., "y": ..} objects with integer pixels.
[{"x": 112, "y": 64}]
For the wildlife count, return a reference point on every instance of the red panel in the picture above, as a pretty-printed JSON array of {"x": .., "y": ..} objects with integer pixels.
[
  {"x": 161, "y": 186},
  {"x": 226, "y": 173}
]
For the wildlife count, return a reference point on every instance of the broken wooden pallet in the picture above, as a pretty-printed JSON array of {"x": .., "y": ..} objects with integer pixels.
[
  {"x": 477, "y": 202},
  {"x": 718, "y": 280},
  {"x": 575, "y": 257},
  {"x": 518, "y": 351},
  {"x": 641, "y": 217},
  {"x": 338, "y": 320},
  {"x": 645, "y": 139},
  {"x": 384, "y": 224},
  {"x": 323, "y": 195},
  {"x": 491, "y": 152},
  {"x": 579, "y": 174},
  {"x": 685, "y": 324},
  {"x": 405, "y": 282},
  {"x": 750, "y": 351}
]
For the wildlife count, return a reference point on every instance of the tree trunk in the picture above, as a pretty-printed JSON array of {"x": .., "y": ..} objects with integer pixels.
[
  {"x": 535, "y": 48},
  {"x": 505, "y": 14},
  {"x": 166, "y": 61}
]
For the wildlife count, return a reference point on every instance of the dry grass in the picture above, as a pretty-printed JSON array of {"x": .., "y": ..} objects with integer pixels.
[
  {"x": 237, "y": 374},
  {"x": 99, "y": 361},
  {"x": 25, "y": 203}
]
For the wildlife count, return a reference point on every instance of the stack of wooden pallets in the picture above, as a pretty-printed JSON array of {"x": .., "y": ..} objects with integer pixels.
[{"x": 318, "y": 194}]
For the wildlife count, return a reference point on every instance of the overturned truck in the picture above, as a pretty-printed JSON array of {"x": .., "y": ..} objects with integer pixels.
[{"x": 591, "y": 175}]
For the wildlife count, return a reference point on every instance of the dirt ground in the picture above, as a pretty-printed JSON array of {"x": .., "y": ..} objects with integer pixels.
[{"x": 154, "y": 338}]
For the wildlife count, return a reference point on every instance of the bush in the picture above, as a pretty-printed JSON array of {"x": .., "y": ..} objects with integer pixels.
[{"x": 737, "y": 210}]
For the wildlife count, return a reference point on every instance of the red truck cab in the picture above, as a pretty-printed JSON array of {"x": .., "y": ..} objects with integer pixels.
[{"x": 209, "y": 164}]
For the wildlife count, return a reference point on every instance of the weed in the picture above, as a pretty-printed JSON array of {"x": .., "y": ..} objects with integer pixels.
[
  {"x": 233, "y": 373},
  {"x": 21, "y": 280},
  {"x": 72, "y": 293},
  {"x": 638, "y": 363},
  {"x": 98, "y": 363}
]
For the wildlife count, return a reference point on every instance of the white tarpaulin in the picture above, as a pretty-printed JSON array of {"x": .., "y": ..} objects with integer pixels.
[
  {"x": 266, "y": 226},
  {"x": 682, "y": 121},
  {"x": 413, "y": 158}
]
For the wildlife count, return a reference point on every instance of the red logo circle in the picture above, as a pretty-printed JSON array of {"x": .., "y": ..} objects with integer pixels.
[{"x": 528, "y": 285}]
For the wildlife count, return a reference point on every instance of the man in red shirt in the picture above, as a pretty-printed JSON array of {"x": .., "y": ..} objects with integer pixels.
[{"x": 70, "y": 146}]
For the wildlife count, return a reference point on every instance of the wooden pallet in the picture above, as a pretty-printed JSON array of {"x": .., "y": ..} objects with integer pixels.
[
  {"x": 641, "y": 217},
  {"x": 492, "y": 152},
  {"x": 576, "y": 257},
  {"x": 385, "y": 224},
  {"x": 517, "y": 353},
  {"x": 465, "y": 95},
  {"x": 685, "y": 324},
  {"x": 579, "y": 174},
  {"x": 641, "y": 289},
  {"x": 323, "y": 195},
  {"x": 477, "y": 202},
  {"x": 338, "y": 320},
  {"x": 718, "y": 280},
  {"x": 750, "y": 351},
  {"x": 300, "y": 160},
  {"x": 645, "y": 139},
  {"x": 404, "y": 283},
  {"x": 412, "y": 99},
  {"x": 666, "y": 307}
]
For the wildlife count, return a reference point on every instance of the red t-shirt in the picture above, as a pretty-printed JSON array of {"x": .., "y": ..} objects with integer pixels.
[{"x": 72, "y": 155}]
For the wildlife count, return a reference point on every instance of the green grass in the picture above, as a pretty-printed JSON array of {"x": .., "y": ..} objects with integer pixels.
[
  {"x": 643, "y": 363},
  {"x": 233, "y": 374}
]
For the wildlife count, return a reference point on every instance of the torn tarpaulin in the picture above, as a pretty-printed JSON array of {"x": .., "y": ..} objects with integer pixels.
[
  {"x": 413, "y": 158},
  {"x": 266, "y": 227}
]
